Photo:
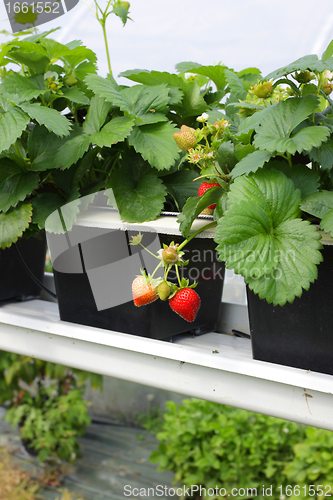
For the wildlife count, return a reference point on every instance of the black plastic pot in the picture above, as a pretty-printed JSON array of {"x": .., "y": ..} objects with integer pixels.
[
  {"x": 93, "y": 279},
  {"x": 16, "y": 283},
  {"x": 298, "y": 334}
]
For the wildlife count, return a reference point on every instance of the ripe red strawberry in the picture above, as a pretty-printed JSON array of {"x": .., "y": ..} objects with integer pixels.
[
  {"x": 185, "y": 139},
  {"x": 186, "y": 302},
  {"x": 143, "y": 291},
  {"x": 203, "y": 188}
]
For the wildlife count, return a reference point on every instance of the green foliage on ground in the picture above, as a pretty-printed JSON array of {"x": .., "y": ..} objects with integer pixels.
[{"x": 211, "y": 445}]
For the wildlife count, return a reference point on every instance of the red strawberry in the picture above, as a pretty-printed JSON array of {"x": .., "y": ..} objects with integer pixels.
[
  {"x": 185, "y": 139},
  {"x": 186, "y": 302},
  {"x": 207, "y": 185},
  {"x": 143, "y": 291}
]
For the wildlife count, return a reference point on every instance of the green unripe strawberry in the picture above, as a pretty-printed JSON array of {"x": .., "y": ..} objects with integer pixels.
[
  {"x": 70, "y": 80},
  {"x": 185, "y": 139},
  {"x": 303, "y": 77},
  {"x": 263, "y": 90},
  {"x": 327, "y": 88},
  {"x": 126, "y": 5},
  {"x": 164, "y": 290},
  {"x": 170, "y": 255}
]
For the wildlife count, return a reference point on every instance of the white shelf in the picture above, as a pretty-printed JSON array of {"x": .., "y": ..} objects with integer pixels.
[{"x": 187, "y": 366}]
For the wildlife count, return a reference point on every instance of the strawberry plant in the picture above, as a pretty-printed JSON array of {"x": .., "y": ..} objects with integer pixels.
[
  {"x": 221, "y": 448},
  {"x": 46, "y": 401},
  {"x": 273, "y": 164},
  {"x": 43, "y": 101}
]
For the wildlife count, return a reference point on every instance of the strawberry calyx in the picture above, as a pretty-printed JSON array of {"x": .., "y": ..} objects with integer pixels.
[
  {"x": 136, "y": 240},
  {"x": 184, "y": 283},
  {"x": 171, "y": 255},
  {"x": 149, "y": 280}
]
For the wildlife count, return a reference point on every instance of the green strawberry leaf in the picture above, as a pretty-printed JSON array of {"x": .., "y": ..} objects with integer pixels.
[
  {"x": 304, "y": 178},
  {"x": 114, "y": 131},
  {"x": 54, "y": 49},
  {"x": 79, "y": 55},
  {"x": 12, "y": 124},
  {"x": 194, "y": 206},
  {"x": 43, "y": 205},
  {"x": 275, "y": 132},
  {"x": 257, "y": 205},
  {"x": 72, "y": 150},
  {"x": 323, "y": 154},
  {"x": 193, "y": 103},
  {"x": 50, "y": 118},
  {"x": 13, "y": 223},
  {"x": 249, "y": 77},
  {"x": 26, "y": 88},
  {"x": 156, "y": 144},
  {"x": 139, "y": 193},
  {"x": 251, "y": 163},
  {"x": 221, "y": 206},
  {"x": 214, "y": 73},
  {"x": 328, "y": 53},
  {"x": 31, "y": 55},
  {"x": 242, "y": 150},
  {"x": 84, "y": 69},
  {"x": 297, "y": 248},
  {"x": 147, "y": 103},
  {"x": 181, "y": 186},
  {"x": 252, "y": 122},
  {"x": 107, "y": 88},
  {"x": 42, "y": 148},
  {"x": 96, "y": 116},
  {"x": 235, "y": 84},
  {"x": 318, "y": 204},
  {"x": 73, "y": 94},
  {"x": 261, "y": 237},
  {"x": 62, "y": 219},
  {"x": 186, "y": 67},
  {"x": 326, "y": 223},
  {"x": 15, "y": 184},
  {"x": 121, "y": 12},
  {"x": 174, "y": 82},
  {"x": 310, "y": 62},
  {"x": 226, "y": 156}
]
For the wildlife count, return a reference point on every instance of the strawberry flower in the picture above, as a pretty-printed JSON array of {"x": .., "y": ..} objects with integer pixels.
[{"x": 203, "y": 118}]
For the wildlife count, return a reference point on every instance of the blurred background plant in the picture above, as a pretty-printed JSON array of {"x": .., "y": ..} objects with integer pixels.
[
  {"x": 45, "y": 400},
  {"x": 211, "y": 445}
]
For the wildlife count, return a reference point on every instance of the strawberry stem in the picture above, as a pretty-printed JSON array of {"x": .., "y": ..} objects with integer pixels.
[
  {"x": 149, "y": 251},
  {"x": 211, "y": 224},
  {"x": 158, "y": 266},
  {"x": 166, "y": 271},
  {"x": 178, "y": 277}
]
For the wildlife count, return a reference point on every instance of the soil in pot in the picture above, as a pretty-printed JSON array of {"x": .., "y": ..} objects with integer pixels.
[{"x": 298, "y": 334}]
